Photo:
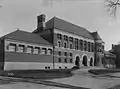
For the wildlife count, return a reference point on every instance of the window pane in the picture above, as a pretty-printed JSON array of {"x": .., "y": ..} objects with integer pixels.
[
  {"x": 71, "y": 60},
  {"x": 71, "y": 54},
  {"x": 59, "y": 60},
  {"x": 36, "y": 50},
  {"x": 71, "y": 46},
  {"x": 65, "y": 45},
  {"x": 59, "y": 53},
  {"x": 43, "y": 51},
  {"x": 29, "y": 49},
  {"x": 12, "y": 47},
  {"x": 65, "y": 60},
  {"x": 21, "y": 48},
  {"x": 58, "y": 44},
  {"x": 65, "y": 53},
  {"x": 81, "y": 45},
  {"x": 49, "y": 52}
]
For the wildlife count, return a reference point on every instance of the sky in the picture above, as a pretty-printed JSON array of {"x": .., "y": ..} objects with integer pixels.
[{"x": 90, "y": 14}]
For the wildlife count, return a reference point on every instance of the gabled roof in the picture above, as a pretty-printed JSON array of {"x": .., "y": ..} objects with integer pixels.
[
  {"x": 27, "y": 37},
  {"x": 67, "y": 26},
  {"x": 96, "y": 36}
]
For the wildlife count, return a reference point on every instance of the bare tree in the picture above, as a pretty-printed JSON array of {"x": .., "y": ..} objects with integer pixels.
[{"x": 112, "y": 6}]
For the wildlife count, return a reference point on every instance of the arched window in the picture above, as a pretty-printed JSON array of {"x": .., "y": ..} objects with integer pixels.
[{"x": 59, "y": 43}]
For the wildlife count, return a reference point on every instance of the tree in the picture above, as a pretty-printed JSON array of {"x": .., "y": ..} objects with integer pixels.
[{"x": 112, "y": 6}]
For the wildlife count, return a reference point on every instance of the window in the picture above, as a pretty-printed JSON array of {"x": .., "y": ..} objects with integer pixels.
[
  {"x": 88, "y": 46},
  {"x": 59, "y": 36},
  {"x": 71, "y": 46},
  {"x": 48, "y": 67},
  {"x": 65, "y": 60},
  {"x": 59, "y": 53},
  {"x": 59, "y": 43},
  {"x": 59, "y": 67},
  {"x": 92, "y": 47},
  {"x": 21, "y": 48},
  {"x": 29, "y": 49},
  {"x": 71, "y": 54},
  {"x": 76, "y": 43},
  {"x": 65, "y": 67},
  {"x": 71, "y": 39},
  {"x": 43, "y": 51},
  {"x": 45, "y": 67},
  {"x": 103, "y": 47},
  {"x": 65, "y": 45},
  {"x": 12, "y": 47},
  {"x": 65, "y": 38},
  {"x": 36, "y": 50},
  {"x": 49, "y": 52},
  {"x": 71, "y": 60},
  {"x": 81, "y": 45},
  {"x": 65, "y": 53},
  {"x": 59, "y": 60},
  {"x": 85, "y": 46}
]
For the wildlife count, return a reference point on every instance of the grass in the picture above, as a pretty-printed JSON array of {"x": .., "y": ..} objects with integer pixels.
[
  {"x": 103, "y": 71},
  {"x": 38, "y": 74}
]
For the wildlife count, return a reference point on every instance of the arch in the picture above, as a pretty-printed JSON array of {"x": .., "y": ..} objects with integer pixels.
[
  {"x": 84, "y": 62},
  {"x": 77, "y": 61}
]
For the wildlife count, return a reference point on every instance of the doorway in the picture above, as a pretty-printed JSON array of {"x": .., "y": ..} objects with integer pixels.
[{"x": 84, "y": 61}]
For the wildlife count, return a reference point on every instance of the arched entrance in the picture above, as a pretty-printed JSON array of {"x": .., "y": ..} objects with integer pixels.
[
  {"x": 91, "y": 61},
  {"x": 77, "y": 61},
  {"x": 84, "y": 62}
]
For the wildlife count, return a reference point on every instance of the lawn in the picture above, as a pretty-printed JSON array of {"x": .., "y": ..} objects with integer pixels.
[
  {"x": 38, "y": 74},
  {"x": 103, "y": 71}
]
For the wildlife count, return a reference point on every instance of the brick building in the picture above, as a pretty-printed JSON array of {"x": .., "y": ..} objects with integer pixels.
[{"x": 54, "y": 44}]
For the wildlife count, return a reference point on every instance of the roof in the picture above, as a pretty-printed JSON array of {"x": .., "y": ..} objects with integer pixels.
[
  {"x": 108, "y": 54},
  {"x": 27, "y": 36},
  {"x": 69, "y": 27},
  {"x": 96, "y": 36}
]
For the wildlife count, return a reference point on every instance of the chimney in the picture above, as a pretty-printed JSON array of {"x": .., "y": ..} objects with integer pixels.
[
  {"x": 112, "y": 46},
  {"x": 41, "y": 22}
]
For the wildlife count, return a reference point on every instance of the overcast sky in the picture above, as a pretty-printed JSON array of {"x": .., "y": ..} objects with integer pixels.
[{"x": 89, "y": 14}]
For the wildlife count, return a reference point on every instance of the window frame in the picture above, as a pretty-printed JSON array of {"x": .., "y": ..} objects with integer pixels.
[
  {"x": 12, "y": 45},
  {"x": 38, "y": 48},
  {"x": 31, "y": 49},
  {"x": 49, "y": 53},
  {"x": 43, "y": 51},
  {"x": 19, "y": 48}
]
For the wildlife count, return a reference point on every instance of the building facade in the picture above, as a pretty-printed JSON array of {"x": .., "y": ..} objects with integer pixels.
[
  {"x": 55, "y": 44},
  {"x": 116, "y": 51}
]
